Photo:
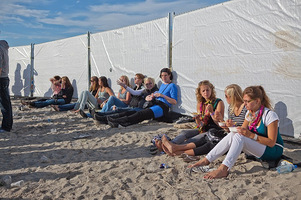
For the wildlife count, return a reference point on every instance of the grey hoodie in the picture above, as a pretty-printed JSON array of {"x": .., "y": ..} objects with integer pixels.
[{"x": 4, "y": 64}]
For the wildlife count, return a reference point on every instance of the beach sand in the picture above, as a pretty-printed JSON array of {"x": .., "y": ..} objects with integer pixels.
[{"x": 117, "y": 164}]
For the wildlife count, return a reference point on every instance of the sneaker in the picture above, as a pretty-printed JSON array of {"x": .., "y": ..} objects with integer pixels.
[
  {"x": 3, "y": 131},
  {"x": 92, "y": 112},
  {"x": 184, "y": 120},
  {"x": 112, "y": 123},
  {"x": 83, "y": 114}
]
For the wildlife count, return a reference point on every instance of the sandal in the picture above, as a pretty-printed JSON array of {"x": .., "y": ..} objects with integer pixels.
[
  {"x": 191, "y": 159},
  {"x": 183, "y": 155}
]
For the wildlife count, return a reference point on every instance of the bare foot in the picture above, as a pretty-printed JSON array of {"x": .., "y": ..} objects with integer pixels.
[
  {"x": 167, "y": 151},
  {"x": 76, "y": 111},
  {"x": 158, "y": 144},
  {"x": 202, "y": 162},
  {"x": 168, "y": 144},
  {"x": 221, "y": 172}
]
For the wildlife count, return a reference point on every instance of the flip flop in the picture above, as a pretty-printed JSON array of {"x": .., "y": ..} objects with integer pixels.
[
  {"x": 153, "y": 148},
  {"x": 183, "y": 155},
  {"x": 191, "y": 159}
]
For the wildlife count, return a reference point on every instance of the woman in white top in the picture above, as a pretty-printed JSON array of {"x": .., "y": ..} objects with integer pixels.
[{"x": 259, "y": 135}]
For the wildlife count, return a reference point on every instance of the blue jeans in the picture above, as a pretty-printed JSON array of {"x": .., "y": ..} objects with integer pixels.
[
  {"x": 6, "y": 109},
  {"x": 111, "y": 102},
  {"x": 67, "y": 107},
  {"x": 41, "y": 104}
]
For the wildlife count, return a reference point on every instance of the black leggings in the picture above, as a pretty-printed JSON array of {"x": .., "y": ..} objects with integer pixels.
[
  {"x": 203, "y": 146},
  {"x": 140, "y": 116}
]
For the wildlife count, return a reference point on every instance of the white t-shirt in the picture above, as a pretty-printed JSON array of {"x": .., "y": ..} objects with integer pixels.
[{"x": 267, "y": 117}]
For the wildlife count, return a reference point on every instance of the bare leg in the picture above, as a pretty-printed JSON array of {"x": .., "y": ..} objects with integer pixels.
[
  {"x": 202, "y": 162},
  {"x": 221, "y": 172},
  {"x": 176, "y": 148}
]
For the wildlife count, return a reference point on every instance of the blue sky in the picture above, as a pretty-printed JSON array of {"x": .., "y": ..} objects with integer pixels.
[{"x": 23, "y": 22}]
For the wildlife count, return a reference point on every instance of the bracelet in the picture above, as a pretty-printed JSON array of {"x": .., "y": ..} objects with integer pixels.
[{"x": 255, "y": 137}]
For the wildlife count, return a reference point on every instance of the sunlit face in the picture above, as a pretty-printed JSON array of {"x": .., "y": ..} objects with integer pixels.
[
  {"x": 228, "y": 98},
  {"x": 122, "y": 79},
  {"x": 205, "y": 91},
  {"x": 138, "y": 81},
  {"x": 251, "y": 104},
  {"x": 149, "y": 84},
  {"x": 165, "y": 77}
]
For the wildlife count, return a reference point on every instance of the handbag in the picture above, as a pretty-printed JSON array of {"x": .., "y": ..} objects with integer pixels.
[
  {"x": 215, "y": 136},
  {"x": 149, "y": 104}
]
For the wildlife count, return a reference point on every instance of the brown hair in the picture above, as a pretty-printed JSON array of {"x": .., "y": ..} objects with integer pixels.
[
  {"x": 57, "y": 77},
  {"x": 68, "y": 83},
  {"x": 255, "y": 92},
  {"x": 140, "y": 76},
  {"x": 167, "y": 70},
  {"x": 198, "y": 94}
]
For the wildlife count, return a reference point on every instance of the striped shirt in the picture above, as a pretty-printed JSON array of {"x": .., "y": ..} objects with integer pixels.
[{"x": 238, "y": 119}]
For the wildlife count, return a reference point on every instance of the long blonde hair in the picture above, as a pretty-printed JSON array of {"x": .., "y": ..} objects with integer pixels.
[
  {"x": 126, "y": 79},
  {"x": 255, "y": 92},
  {"x": 234, "y": 92},
  {"x": 198, "y": 94}
]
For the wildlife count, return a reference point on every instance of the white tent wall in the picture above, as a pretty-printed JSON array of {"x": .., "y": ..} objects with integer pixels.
[
  {"x": 140, "y": 48},
  {"x": 20, "y": 67},
  {"x": 247, "y": 42},
  {"x": 66, "y": 57}
]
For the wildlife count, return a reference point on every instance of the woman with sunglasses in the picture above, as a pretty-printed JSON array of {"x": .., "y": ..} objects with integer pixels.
[{"x": 259, "y": 135}]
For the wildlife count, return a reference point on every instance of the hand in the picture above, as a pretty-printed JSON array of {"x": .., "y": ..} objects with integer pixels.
[
  {"x": 158, "y": 94},
  {"x": 148, "y": 98},
  {"x": 122, "y": 84},
  {"x": 243, "y": 131},
  {"x": 209, "y": 109},
  {"x": 230, "y": 123},
  {"x": 217, "y": 116},
  {"x": 64, "y": 96}
]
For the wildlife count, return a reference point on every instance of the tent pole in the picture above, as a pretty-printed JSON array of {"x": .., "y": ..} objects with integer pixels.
[
  {"x": 32, "y": 70},
  {"x": 89, "y": 60},
  {"x": 169, "y": 45}
]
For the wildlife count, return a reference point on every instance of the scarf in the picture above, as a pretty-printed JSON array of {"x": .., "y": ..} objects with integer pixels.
[
  {"x": 254, "y": 119},
  {"x": 204, "y": 118}
]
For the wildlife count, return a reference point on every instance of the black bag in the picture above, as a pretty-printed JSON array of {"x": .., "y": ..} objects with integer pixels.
[
  {"x": 149, "y": 104},
  {"x": 214, "y": 135}
]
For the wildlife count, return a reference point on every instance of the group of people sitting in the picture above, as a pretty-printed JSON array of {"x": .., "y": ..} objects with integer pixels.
[{"x": 250, "y": 112}]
